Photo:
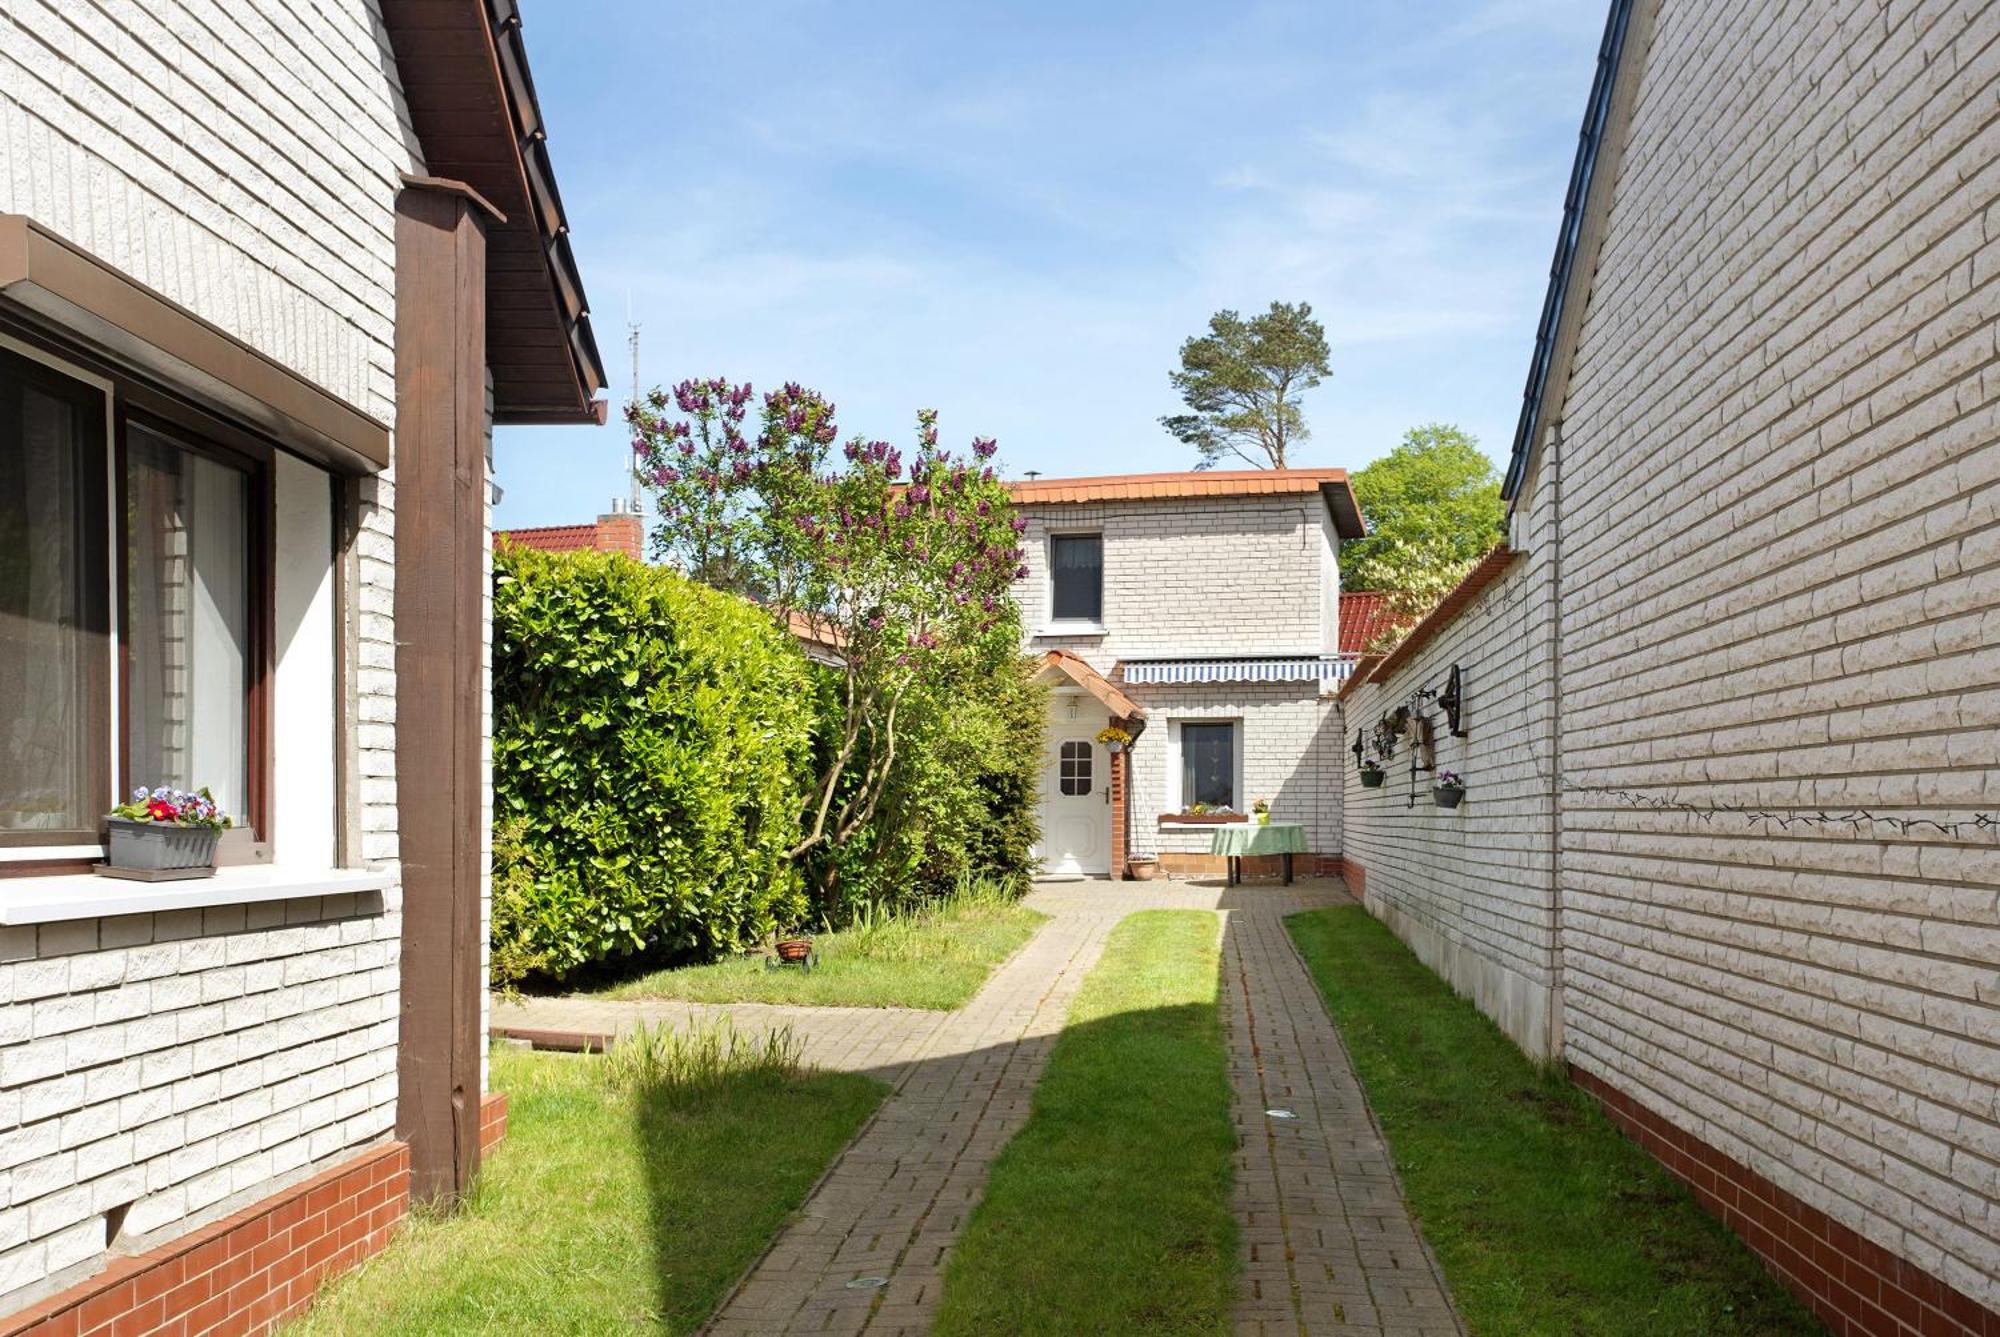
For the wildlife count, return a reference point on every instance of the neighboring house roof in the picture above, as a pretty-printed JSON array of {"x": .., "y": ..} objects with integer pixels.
[
  {"x": 1330, "y": 483},
  {"x": 1584, "y": 205},
  {"x": 822, "y": 642},
  {"x": 1080, "y": 672},
  {"x": 472, "y": 104},
  {"x": 1364, "y": 616},
  {"x": 618, "y": 532}
]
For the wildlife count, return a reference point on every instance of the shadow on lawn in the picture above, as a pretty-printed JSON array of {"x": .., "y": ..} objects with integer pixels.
[{"x": 735, "y": 1179}]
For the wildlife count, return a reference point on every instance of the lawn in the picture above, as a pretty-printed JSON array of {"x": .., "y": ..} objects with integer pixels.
[
  {"x": 1110, "y": 1210},
  {"x": 1545, "y": 1218},
  {"x": 931, "y": 958},
  {"x": 612, "y": 1205}
]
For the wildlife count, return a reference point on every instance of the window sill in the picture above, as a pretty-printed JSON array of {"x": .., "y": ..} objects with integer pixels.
[
  {"x": 45, "y": 900},
  {"x": 1074, "y": 628},
  {"x": 1202, "y": 819}
]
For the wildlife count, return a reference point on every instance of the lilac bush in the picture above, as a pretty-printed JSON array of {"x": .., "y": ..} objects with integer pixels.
[{"x": 902, "y": 560}]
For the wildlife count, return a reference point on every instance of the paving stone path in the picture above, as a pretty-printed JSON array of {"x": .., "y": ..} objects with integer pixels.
[{"x": 1327, "y": 1245}]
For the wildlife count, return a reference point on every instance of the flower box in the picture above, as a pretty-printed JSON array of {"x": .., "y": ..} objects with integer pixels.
[{"x": 159, "y": 849}]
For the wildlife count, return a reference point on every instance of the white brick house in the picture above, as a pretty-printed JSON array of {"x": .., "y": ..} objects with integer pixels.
[
  {"x": 1731, "y": 849},
  {"x": 1199, "y": 611},
  {"x": 244, "y": 313}
]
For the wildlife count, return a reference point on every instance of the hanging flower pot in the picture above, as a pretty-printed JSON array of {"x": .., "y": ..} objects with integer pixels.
[
  {"x": 1372, "y": 777},
  {"x": 1450, "y": 789},
  {"x": 1115, "y": 739}
]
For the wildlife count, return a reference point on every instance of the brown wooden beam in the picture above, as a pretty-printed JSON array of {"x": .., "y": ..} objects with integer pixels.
[{"x": 440, "y": 470}]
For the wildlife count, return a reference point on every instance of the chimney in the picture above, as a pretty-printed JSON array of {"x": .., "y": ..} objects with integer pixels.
[{"x": 618, "y": 531}]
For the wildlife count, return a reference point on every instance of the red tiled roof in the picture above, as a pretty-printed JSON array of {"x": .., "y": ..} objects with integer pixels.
[
  {"x": 551, "y": 538},
  {"x": 1365, "y": 615},
  {"x": 1201, "y": 483},
  {"x": 619, "y": 533},
  {"x": 1079, "y": 671}
]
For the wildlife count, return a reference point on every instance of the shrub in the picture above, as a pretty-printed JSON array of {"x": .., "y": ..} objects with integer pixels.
[
  {"x": 651, "y": 751},
  {"x": 959, "y": 807}
]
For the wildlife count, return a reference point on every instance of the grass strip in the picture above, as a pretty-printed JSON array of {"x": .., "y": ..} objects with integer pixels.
[
  {"x": 1110, "y": 1210},
  {"x": 1545, "y": 1218},
  {"x": 936, "y": 957},
  {"x": 620, "y": 1201}
]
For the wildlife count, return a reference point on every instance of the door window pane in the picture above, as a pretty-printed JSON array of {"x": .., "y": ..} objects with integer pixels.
[
  {"x": 1076, "y": 563},
  {"x": 1073, "y": 769},
  {"x": 187, "y": 619},
  {"x": 1208, "y": 764},
  {"x": 53, "y": 647}
]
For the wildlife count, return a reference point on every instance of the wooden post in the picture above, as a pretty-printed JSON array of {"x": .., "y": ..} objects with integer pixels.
[{"x": 440, "y": 482}]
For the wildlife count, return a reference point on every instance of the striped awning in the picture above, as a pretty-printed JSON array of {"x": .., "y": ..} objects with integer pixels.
[{"x": 1326, "y": 668}]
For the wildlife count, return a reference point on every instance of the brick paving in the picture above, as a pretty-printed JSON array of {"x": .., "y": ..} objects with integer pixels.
[
  {"x": 1325, "y": 1241},
  {"x": 1327, "y": 1245}
]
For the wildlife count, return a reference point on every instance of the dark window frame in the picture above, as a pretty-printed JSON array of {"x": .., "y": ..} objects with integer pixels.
[
  {"x": 135, "y": 400},
  {"x": 18, "y": 371},
  {"x": 1189, "y": 795},
  {"x": 1056, "y": 609}
]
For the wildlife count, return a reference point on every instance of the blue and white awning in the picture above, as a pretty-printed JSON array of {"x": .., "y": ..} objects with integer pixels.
[{"x": 1151, "y": 672}]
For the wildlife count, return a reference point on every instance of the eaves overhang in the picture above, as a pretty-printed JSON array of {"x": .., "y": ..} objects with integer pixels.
[{"x": 472, "y": 103}]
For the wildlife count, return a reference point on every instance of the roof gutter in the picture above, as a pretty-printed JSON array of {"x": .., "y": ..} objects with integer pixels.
[{"x": 1599, "y": 144}]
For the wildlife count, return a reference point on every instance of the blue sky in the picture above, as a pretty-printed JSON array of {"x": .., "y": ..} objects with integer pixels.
[{"x": 1015, "y": 213}]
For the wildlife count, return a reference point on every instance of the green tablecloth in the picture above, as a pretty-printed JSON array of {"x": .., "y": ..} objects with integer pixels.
[{"x": 1236, "y": 840}]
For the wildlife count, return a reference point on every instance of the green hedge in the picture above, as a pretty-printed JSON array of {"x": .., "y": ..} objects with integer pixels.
[{"x": 650, "y": 747}]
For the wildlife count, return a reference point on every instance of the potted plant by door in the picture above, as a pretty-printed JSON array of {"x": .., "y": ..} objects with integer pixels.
[
  {"x": 1142, "y": 867},
  {"x": 1115, "y": 739},
  {"x": 163, "y": 834},
  {"x": 1450, "y": 789},
  {"x": 1372, "y": 774}
]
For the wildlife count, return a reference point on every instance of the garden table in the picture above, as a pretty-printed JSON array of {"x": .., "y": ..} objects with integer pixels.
[{"x": 1240, "y": 838}]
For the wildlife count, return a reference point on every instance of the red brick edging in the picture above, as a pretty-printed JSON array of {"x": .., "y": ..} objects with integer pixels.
[
  {"x": 255, "y": 1268},
  {"x": 492, "y": 1120},
  {"x": 1854, "y": 1285},
  {"x": 244, "y": 1273}
]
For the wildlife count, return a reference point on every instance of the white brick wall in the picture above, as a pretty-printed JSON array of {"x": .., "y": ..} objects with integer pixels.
[
  {"x": 1781, "y": 590},
  {"x": 1290, "y": 755},
  {"x": 1203, "y": 577},
  {"x": 244, "y": 160},
  {"x": 1470, "y": 889}
]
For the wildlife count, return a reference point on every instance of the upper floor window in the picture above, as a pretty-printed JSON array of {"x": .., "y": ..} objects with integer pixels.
[
  {"x": 1076, "y": 577},
  {"x": 134, "y": 591}
]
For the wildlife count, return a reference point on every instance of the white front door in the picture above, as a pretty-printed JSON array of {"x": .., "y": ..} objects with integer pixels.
[{"x": 1076, "y": 801}]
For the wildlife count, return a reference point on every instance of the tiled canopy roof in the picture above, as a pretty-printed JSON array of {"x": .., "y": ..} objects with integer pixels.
[
  {"x": 1079, "y": 671},
  {"x": 1201, "y": 483}
]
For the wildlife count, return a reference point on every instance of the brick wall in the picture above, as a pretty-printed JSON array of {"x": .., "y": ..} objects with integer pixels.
[
  {"x": 1780, "y": 534},
  {"x": 244, "y": 1274},
  {"x": 184, "y": 1062},
  {"x": 1291, "y": 756},
  {"x": 1470, "y": 888},
  {"x": 1205, "y": 577}
]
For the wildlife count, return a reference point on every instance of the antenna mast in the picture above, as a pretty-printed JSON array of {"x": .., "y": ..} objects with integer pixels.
[{"x": 632, "y": 328}]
